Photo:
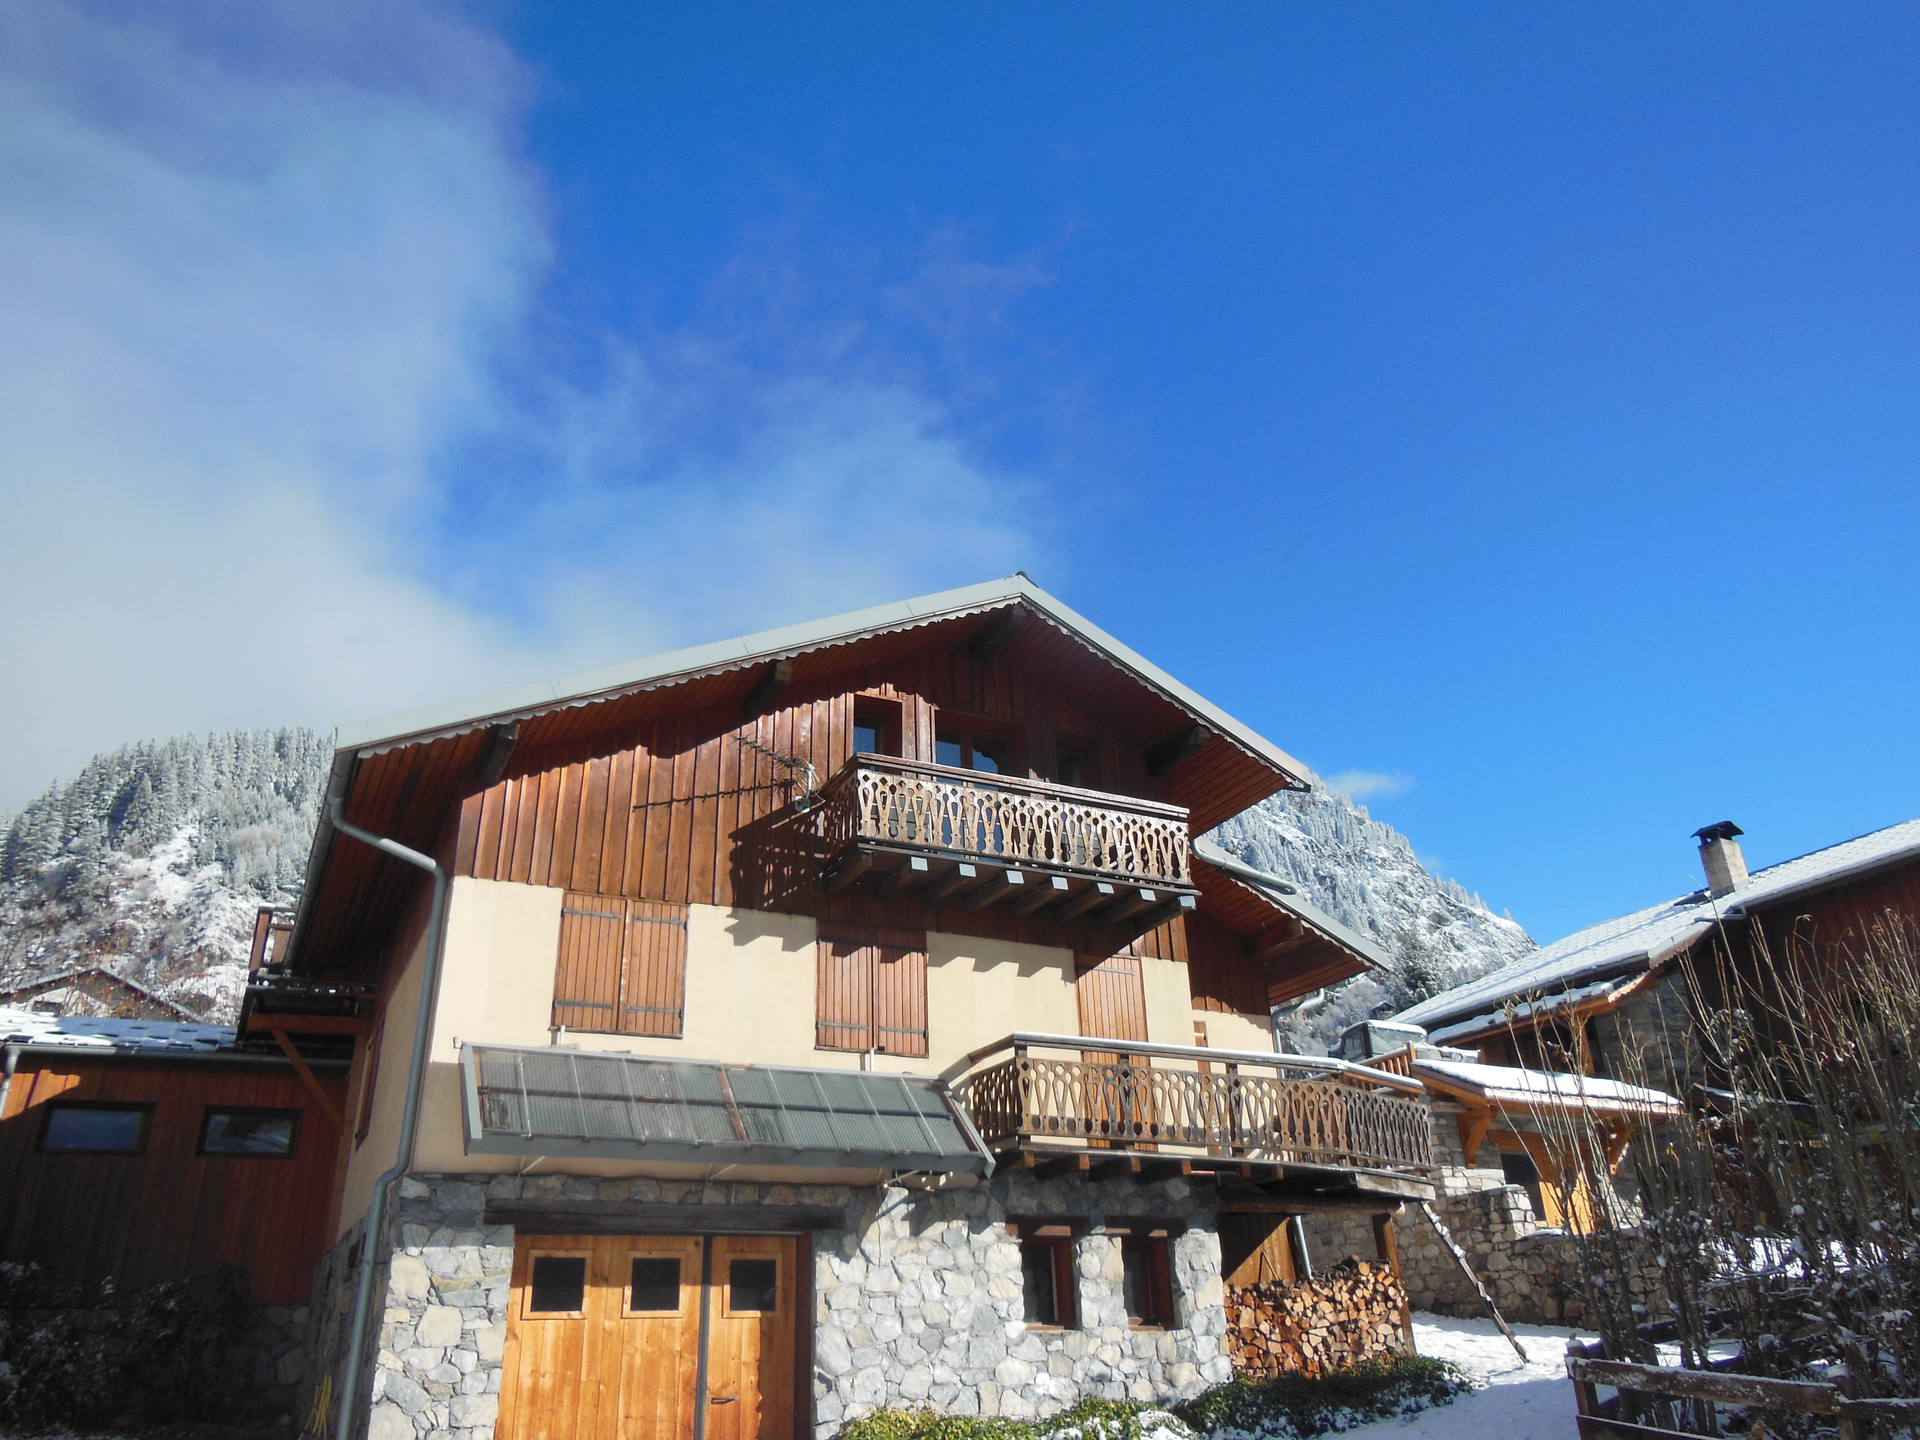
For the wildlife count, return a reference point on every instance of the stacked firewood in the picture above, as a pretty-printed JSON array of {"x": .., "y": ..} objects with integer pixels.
[{"x": 1356, "y": 1311}]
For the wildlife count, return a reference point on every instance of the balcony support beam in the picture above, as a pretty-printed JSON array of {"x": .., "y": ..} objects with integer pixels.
[
  {"x": 915, "y": 872},
  {"x": 1098, "y": 893},
  {"x": 847, "y": 869},
  {"x": 954, "y": 881},
  {"x": 1047, "y": 890},
  {"x": 1001, "y": 884}
]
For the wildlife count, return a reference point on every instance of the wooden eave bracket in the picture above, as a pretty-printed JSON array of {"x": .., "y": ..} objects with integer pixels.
[
  {"x": 309, "y": 1079},
  {"x": 775, "y": 678},
  {"x": 1475, "y": 1122},
  {"x": 501, "y": 740}
]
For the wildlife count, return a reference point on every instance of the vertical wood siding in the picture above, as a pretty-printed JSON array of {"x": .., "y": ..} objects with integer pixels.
[
  {"x": 167, "y": 1212},
  {"x": 1113, "y": 997}
]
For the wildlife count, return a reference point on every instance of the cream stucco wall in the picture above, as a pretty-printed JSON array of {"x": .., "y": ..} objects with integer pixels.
[
  {"x": 750, "y": 983},
  {"x": 375, "y": 1151}
]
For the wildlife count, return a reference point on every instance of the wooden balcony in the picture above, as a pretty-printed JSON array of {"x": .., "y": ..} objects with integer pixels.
[
  {"x": 984, "y": 839},
  {"x": 1085, "y": 1103}
]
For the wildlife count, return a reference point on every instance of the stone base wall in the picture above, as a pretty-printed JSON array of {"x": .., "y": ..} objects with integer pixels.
[
  {"x": 920, "y": 1303},
  {"x": 917, "y": 1298},
  {"x": 1532, "y": 1273},
  {"x": 1354, "y": 1313}
]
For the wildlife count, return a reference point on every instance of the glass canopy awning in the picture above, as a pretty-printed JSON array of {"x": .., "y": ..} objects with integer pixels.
[{"x": 614, "y": 1106}]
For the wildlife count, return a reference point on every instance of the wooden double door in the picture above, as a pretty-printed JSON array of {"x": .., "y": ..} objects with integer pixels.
[{"x": 651, "y": 1337}]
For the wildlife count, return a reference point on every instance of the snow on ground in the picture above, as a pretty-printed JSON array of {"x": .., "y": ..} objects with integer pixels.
[{"x": 1531, "y": 1401}]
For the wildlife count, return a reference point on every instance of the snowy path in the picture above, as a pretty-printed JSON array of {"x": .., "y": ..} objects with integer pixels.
[{"x": 1519, "y": 1402}]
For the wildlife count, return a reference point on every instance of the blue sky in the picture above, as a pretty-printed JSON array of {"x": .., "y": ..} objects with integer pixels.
[{"x": 1508, "y": 407}]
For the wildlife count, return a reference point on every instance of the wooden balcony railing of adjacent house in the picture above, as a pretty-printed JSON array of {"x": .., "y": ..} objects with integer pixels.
[
  {"x": 1039, "y": 1092},
  {"x": 1001, "y": 838}
]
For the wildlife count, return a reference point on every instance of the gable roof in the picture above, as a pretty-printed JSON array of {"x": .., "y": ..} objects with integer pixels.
[
  {"x": 1589, "y": 963},
  {"x": 399, "y": 776},
  {"x": 75, "y": 975},
  {"x": 1328, "y": 951}
]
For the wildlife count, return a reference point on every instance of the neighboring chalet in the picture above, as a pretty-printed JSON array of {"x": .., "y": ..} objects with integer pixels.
[
  {"x": 1542, "y": 1072},
  {"x": 832, "y": 1018},
  {"x": 1617, "y": 999},
  {"x": 138, "y": 1151}
]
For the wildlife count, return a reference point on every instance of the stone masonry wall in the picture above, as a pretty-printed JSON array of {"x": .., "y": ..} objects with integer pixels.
[
  {"x": 917, "y": 1299},
  {"x": 919, "y": 1303}
]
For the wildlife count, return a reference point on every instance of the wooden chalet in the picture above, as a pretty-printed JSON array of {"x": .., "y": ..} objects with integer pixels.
[
  {"x": 834, "y": 1017},
  {"x": 1618, "y": 999},
  {"x": 139, "y": 1151}
]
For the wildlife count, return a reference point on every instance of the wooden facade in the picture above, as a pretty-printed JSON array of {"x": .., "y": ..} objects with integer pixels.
[{"x": 167, "y": 1210}]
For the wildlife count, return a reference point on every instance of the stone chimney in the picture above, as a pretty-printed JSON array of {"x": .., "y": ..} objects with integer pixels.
[{"x": 1722, "y": 858}]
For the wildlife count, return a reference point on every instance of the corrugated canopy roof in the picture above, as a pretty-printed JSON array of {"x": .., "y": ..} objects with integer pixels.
[{"x": 560, "y": 1102}]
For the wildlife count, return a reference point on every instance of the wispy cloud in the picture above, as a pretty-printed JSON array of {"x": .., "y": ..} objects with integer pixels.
[
  {"x": 1366, "y": 785},
  {"x": 278, "y": 447}
]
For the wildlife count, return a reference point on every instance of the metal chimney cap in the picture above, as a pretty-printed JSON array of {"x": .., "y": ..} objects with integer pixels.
[{"x": 1724, "y": 830}]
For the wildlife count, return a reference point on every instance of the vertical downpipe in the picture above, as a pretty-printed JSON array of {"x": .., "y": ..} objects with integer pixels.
[{"x": 409, "y": 1118}]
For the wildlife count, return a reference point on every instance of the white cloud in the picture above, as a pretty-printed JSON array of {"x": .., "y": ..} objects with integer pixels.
[
  {"x": 262, "y": 267},
  {"x": 1365, "y": 785}
]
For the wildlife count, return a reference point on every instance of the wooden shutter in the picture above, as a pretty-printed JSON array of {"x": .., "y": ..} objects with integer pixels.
[
  {"x": 900, "y": 997},
  {"x": 654, "y": 990},
  {"x": 872, "y": 992},
  {"x": 622, "y": 967},
  {"x": 1113, "y": 997}
]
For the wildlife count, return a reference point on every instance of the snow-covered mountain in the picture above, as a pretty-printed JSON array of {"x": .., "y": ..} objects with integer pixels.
[
  {"x": 1365, "y": 874},
  {"x": 154, "y": 858}
]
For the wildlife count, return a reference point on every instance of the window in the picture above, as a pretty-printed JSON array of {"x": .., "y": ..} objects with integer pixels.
[
  {"x": 557, "y": 1285},
  {"x": 753, "y": 1286},
  {"x": 249, "y": 1131},
  {"x": 1147, "y": 1280},
  {"x": 1046, "y": 1280},
  {"x": 1073, "y": 762},
  {"x": 877, "y": 726},
  {"x": 91, "y": 1127},
  {"x": 623, "y": 965},
  {"x": 871, "y": 991},
  {"x": 970, "y": 750},
  {"x": 655, "y": 1285}
]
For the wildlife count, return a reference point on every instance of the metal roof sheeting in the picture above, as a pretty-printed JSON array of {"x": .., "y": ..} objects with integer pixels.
[
  {"x": 561, "y": 1102},
  {"x": 82, "y": 1032}
]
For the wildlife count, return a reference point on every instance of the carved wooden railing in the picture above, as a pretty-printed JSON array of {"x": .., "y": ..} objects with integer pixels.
[
  {"x": 940, "y": 809},
  {"x": 1281, "y": 1108}
]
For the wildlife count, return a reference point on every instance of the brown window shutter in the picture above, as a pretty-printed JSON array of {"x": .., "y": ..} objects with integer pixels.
[
  {"x": 843, "y": 1005},
  {"x": 622, "y": 967},
  {"x": 654, "y": 996},
  {"x": 1113, "y": 997},
  {"x": 900, "y": 999},
  {"x": 872, "y": 991},
  {"x": 586, "y": 985}
]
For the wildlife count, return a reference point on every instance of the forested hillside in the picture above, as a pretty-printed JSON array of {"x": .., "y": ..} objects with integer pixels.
[{"x": 154, "y": 858}]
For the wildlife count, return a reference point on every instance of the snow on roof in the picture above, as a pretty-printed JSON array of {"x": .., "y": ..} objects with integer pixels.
[
  {"x": 1633, "y": 941},
  {"x": 82, "y": 1032},
  {"x": 1542, "y": 1083}
]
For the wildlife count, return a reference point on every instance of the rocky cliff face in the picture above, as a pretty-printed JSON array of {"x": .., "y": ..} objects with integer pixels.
[{"x": 1365, "y": 874}]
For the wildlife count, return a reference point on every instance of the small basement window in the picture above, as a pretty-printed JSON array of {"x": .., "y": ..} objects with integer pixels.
[
  {"x": 91, "y": 1127},
  {"x": 1146, "y": 1264},
  {"x": 271, "y": 1134},
  {"x": 655, "y": 1285},
  {"x": 1046, "y": 1280},
  {"x": 753, "y": 1287}
]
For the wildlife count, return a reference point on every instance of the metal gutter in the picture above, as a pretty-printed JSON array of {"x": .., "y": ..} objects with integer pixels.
[{"x": 358, "y": 1327}]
